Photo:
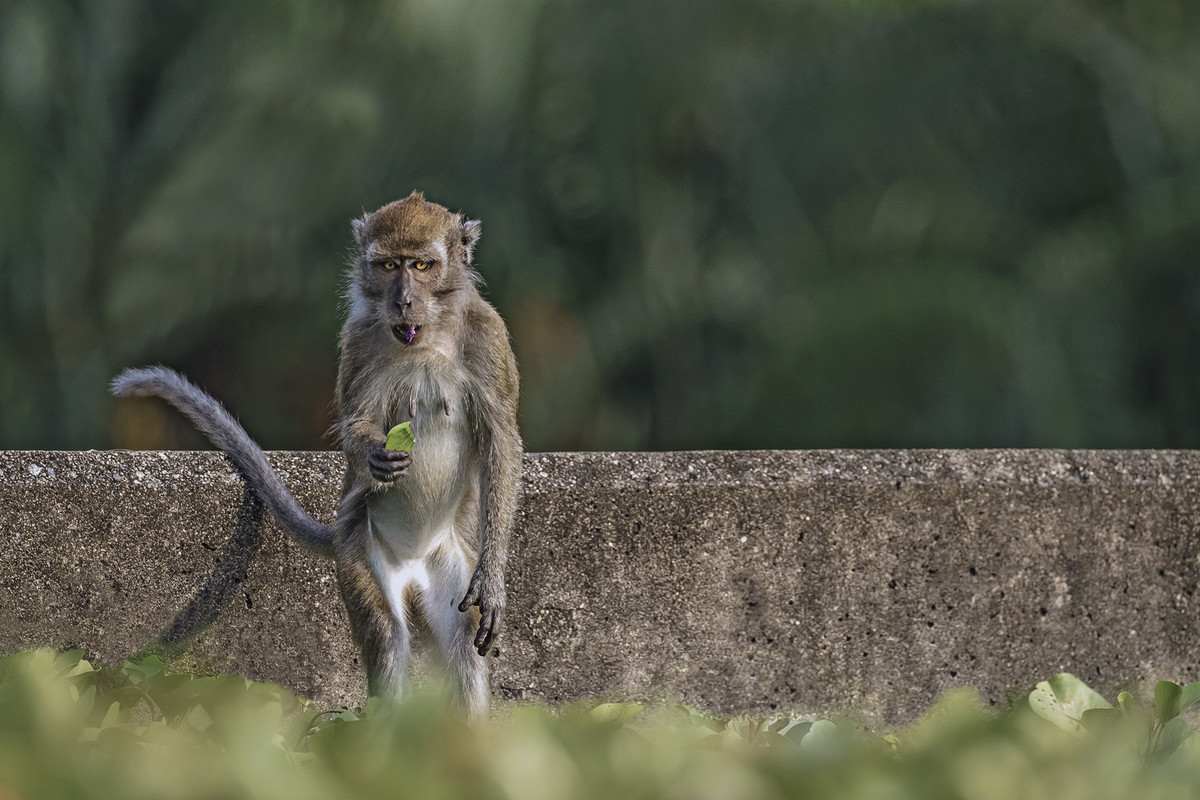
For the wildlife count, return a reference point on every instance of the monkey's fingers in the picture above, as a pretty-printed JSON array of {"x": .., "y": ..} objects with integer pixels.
[
  {"x": 388, "y": 465},
  {"x": 472, "y": 596},
  {"x": 489, "y": 628}
]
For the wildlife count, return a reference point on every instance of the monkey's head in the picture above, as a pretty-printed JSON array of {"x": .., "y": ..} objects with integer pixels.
[{"x": 414, "y": 266}]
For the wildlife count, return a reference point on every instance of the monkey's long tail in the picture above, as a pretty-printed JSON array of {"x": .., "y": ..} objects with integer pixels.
[{"x": 224, "y": 431}]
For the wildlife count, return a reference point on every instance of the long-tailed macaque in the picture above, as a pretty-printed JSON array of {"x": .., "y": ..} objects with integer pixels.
[{"x": 420, "y": 537}]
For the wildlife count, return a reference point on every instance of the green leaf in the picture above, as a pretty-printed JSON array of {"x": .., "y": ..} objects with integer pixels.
[
  {"x": 79, "y": 669},
  {"x": 137, "y": 673},
  {"x": 65, "y": 663},
  {"x": 1046, "y": 705},
  {"x": 1125, "y": 701},
  {"x": 700, "y": 719},
  {"x": 1063, "y": 699},
  {"x": 1191, "y": 693},
  {"x": 619, "y": 713},
  {"x": 198, "y": 718},
  {"x": 797, "y": 731},
  {"x": 1167, "y": 696},
  {"x": 1075, "y": 695},
  {"x": 401, "y": 438},
  {"x": 1170, "y": 737},
  {"x": 777, "y": 726},
  {"x": 86, "y": 699},
  {"x": 822, "y": 734},
  {"x": 111, "y": 716},
  {"x": 1097, "y": 718}
]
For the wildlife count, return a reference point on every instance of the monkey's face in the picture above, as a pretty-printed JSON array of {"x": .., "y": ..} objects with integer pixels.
[
  {"x": 414, "y": 266},
  {"x": 412, "y": 287}
]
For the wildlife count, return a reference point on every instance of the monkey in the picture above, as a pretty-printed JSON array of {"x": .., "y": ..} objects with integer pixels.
[{"x": 421, "y": 536}]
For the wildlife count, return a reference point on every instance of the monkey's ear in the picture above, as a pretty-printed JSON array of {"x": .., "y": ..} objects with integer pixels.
[
  {"x": 360, "y": 230},
  {"x": 471, "y": 229}
]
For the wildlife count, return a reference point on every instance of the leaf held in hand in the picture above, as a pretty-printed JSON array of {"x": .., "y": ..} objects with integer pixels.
[{"x": 401, "y": 438}]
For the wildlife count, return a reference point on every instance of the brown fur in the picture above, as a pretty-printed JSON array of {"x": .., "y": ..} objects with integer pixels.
[
  {"x": 421, "y": 539},
  {"x": 462, "y": 351}
]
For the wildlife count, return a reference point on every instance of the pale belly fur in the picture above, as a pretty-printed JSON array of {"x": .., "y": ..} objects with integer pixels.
[{"x": 416, "y": 515}]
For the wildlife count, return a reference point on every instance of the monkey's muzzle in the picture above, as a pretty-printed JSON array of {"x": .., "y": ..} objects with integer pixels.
[{"x": 406, "y": 332}]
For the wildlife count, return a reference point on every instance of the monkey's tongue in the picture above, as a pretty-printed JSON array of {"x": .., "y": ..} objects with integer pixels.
[{"x": 406, "y": 333}]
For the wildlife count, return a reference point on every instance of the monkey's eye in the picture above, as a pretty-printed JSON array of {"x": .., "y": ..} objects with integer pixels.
[
  {"x": 420, "y": 265},
  {"x": 389, "y": 265}
]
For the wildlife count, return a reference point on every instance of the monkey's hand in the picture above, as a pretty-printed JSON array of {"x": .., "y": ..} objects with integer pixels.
[
  {"x": 490, "y": 598},
  {"x": 387, "y": 465}
]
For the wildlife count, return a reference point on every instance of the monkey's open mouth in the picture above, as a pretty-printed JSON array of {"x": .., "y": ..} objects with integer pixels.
[{"x": 406, "y": 332}]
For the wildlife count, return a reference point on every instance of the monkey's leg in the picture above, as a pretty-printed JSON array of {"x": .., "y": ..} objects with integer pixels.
[
  {"x": 449, "y": 570},
  {"x": 379, "y": 629}
]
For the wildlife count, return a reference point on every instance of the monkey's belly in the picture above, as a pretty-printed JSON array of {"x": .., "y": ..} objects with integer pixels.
[{"x": 417, "y": 513}]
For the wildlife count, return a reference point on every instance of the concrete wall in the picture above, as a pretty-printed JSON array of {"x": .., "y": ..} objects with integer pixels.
[{"x": 866, "y": 581}]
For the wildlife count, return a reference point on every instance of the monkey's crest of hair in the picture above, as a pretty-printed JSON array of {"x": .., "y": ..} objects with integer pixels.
[{"x": 413, "y": 221}]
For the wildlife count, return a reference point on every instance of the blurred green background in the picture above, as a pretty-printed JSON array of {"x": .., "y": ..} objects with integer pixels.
[{"x": 769, "y": 223}]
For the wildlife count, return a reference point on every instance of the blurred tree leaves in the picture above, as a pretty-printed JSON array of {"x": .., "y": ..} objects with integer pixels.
[{"x": 708, "y": 224}]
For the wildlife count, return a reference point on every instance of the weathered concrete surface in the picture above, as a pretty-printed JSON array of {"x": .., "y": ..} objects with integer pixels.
[{"x": 853, "y": 580}]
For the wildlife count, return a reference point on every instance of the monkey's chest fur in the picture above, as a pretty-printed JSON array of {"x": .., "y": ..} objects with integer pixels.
[{"x": 434, "y": 504}]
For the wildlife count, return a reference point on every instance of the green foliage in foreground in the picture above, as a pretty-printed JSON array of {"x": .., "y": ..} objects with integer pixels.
[{"x": 68, "y": 729}]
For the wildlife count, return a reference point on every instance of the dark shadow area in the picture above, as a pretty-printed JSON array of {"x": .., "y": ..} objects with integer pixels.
[{"x": 231, "y": 568}]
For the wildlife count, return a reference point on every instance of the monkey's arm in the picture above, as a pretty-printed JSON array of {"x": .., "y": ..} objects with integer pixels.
[
  {"x": 362, "y": 437},
  {"x": 494, "y": 405}
]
